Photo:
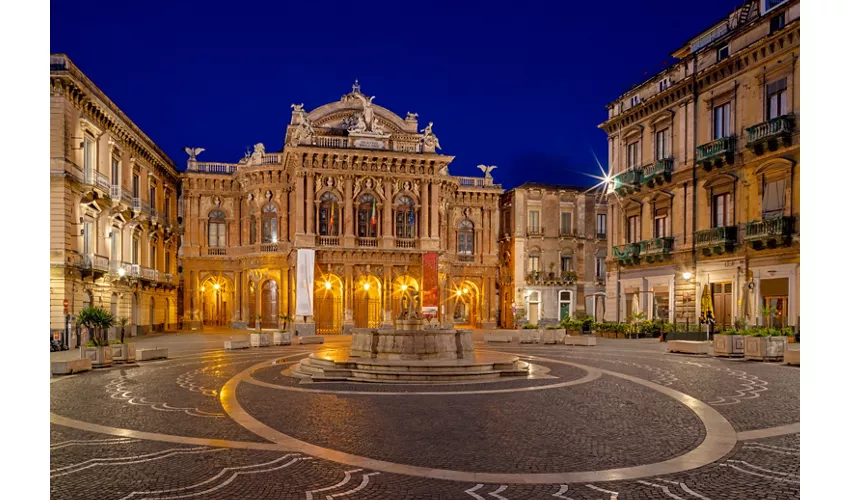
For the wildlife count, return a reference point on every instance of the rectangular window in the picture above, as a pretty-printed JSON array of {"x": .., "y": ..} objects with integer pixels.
[
  {"x": 566, "y": 222},
  {"x": 153, "y": 198},
  {"x": 773, "y": 199},
  {"x": 601, "y": 224},
  {"x": 136, "y": 189},
  {"x": 723, "y": 52},
  {"x": 600, "y": 268},
  {"x": 534, "y": 221},
  {"x": 661, "y": 223},
  {"x": 777, "y": 99},
  {"x": 634, "y": 101},
  {"x": 534, "y": 263},
  {"x": 777, "y": 22},
  {"x": 566, "y": 263},
  {"x": 168, "y": 262},
  {"x": 167, "y": 202},
  {"x": 722, "y": 120},
  {"x": 632, "y": 154},
  {"x": 116, "y": 172},
  {"x": 88, "y": 155},
  {"x": 464, "y": 242},
  {"x": 217, "y": 235},
  {"x": 663, "y": 139},
  {"x": 135, "y": 252},
  {"x": 663, "y": 84},
  {"x": 634, "y": 229},
  {"x": 88, "y": 237},
  {"x": 722, "y": 216},
  {"x": 153, "y": 257}
]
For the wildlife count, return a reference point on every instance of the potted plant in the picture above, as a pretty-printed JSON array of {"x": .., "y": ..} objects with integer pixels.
[
  {"x": 788, "y": 331},
  {"x": 283, "y": 337},
  {"x": 573, "y": 327},
  {"x": 120, "y": 351},
  {"x": 765, "y": 344},
  {"x": 529, "y": 334},
  {"x": 729, "y": 343},
  {"x": 550, "y": 334},
  {"x": 98, "y": 321}
]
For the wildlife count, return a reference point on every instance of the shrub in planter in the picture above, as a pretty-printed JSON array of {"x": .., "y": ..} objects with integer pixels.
[
  {"x": 765, "y": 344},
  {"x": 728, "y": 343},
  {"x": 121, "y": 351},
  {"x": 529, "y": 327},
  {"x": 98, "y": 321}
]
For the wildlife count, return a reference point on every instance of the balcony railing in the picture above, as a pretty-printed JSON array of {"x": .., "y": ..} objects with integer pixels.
[
  {"x": 770, "y": 133},
  {"x": 627, "y": 254},
  {"x": 715, "y": 153},
  {"x": 482, "y": 182},
  {"x": 656, "y": 248},
  {"x": 405, "y": 242},
  {"x": 601, "y": 236},
  {"x": 627, "y": 182},
  {"x": 534, "y": 231},
  {"x": 103, "y": 182},
  {"x": 137, "y": 205},
  {"x": 657, "y": 173},
  {"x": 465, "y": 258},
  {"x": 135, "y": 270},
  {"x": 212, "y": 168},
  {"x": 216, "y": 251},
  {"x": 551, "y": 278},
  {"x": 167, "y": 278},
  {"x": 329, "y": 241},
  {"x": 126, "y": 197},
  {"x": 367, "y": 242},
  {"x": 95, "y": 262},
  {"x": 571, "y": 233},
  {"x": 268, "y": 247},
  {"x": 149, "y": 274},
  {"x": 769, "y": 233},
  {"x": 716, "y": 240},
  {"x": 116, "y": 193}
]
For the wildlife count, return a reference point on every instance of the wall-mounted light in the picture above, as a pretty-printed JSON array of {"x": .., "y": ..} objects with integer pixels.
[
  {"x": 327, "y": 285},
  {"x": 216, "y": 286},
  {"x": 458, "y": 293},
  {"x": 466, "y": 290},
  {"x": 365, "y": 286},
  {"x": 121, "y": 272},
  {"x": 203, "y": 289},
  {"x": 403, "y": 288},
  {"x": 686, "y": 275}
]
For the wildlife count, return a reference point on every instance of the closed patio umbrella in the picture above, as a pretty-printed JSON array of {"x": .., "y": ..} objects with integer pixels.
[{"x": 707, "y": 305}]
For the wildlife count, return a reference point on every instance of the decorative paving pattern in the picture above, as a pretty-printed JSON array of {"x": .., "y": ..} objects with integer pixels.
[{"x": 608, "y": 422}]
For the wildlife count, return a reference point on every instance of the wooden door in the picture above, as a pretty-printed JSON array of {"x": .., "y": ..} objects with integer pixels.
[{"x": 722, "y": 298}]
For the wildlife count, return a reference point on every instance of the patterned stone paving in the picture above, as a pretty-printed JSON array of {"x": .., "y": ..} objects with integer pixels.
[{"x": 601, "y": 424}]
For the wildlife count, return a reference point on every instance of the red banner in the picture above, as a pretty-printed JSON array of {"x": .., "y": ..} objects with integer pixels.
[{"x": 430, "y": 297}]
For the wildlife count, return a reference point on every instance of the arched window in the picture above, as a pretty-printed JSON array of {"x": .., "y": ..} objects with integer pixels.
[
  {"x": 465, "y": 237},
  {"x": 269, "y": 224},
  {"x": 329, "y": 215},
  {"x": 253, "y": 229},
  {"x": 405, "y": 217},
  {"x": 367, "y": 216},
  {"x": 217, "y": 235}
]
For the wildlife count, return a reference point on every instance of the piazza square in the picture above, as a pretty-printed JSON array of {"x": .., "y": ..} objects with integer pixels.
[{"x": 355, "y": 311}]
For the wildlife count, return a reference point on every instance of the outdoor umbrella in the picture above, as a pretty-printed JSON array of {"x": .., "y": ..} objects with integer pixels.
[
  {"x": 706, "y": 304},
  {"x": 635, "y": 305}
]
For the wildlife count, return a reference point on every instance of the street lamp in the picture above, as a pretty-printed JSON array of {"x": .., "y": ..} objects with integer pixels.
[
  {"x": 121, "y": 272},
  {"x": 327, "y": 285},
  {"x": 686, "y": 275},
  {"x": 366, "y": 286},
  {"x": 216, "y": 286}
]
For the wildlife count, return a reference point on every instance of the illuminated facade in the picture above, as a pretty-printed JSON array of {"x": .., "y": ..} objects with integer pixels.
[{"x": 705, "y": 159}]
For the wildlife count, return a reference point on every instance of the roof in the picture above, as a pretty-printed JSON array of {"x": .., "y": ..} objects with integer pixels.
[{"x": 552, "y": 187}]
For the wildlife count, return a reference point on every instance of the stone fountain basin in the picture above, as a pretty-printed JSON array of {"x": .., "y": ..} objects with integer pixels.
[{"x": 411, "y": 345}]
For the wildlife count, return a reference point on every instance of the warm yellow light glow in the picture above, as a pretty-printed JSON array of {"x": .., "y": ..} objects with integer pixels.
[
  {"x": 365, "y": 286},
  {"x": 121, "y": 272},
  {"x": 466, "y": 290},
  {"x": 403, "y": 288},
  {"x": 458, "y": 293},
  {"x": 203, "y": 289},
  {"x": 327, "y": 285},
  {"x": 216, "y": 286},
  {"x": 686, "y": 275}
]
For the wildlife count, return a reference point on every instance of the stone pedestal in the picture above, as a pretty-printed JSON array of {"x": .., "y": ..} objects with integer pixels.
[
  {"x": 305, "y": 329},
  {"x": 401, "y": 344}
]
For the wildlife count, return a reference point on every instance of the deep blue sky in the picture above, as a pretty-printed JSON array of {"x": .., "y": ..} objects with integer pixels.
[{"x": 520, "y": 85}]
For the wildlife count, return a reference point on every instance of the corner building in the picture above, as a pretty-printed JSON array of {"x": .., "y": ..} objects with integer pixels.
[
  {"x": 705, "y": 159},
  {"x": 362, "y": 192}
]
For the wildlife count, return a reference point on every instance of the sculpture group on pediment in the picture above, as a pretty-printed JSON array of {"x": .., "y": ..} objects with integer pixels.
[{"x": 429, "y": 140}]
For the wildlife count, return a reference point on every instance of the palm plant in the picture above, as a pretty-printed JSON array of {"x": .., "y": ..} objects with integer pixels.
[
  {"x": 768, "y": 312},
  {"x": 285, "y": 319},
  {"x": 98, "y": 320}
]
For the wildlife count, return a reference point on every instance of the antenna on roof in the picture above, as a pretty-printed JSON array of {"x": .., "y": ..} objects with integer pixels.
[{"x": 356, "y": 86}]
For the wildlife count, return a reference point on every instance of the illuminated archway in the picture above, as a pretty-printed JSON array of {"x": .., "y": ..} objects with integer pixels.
[
  {"x": 405, "y": 291},
  {"x": 466, "y": 300},
  {"x": 367, "y": 302},
  {"x": 327, "y": 295},
  {"x": 216, "y": 301}
]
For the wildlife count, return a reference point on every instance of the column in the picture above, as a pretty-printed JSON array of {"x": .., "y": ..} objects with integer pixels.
[
  {"x": 348, "y": 219},
  {"x": 283, "y": 233},
  {"x": 486, "y": 249},
  {"x": 198, "y": 225},
  {"x": 494, "y": 230},
  {"x": 424, "y": 228},
  {"x": 311, "y": 208},
  {"x": 299, "y": 204},
  {"x": 435, "y": 207},
  {"x": 386, "y": 226},
  {"x": 386, "y": 294}
]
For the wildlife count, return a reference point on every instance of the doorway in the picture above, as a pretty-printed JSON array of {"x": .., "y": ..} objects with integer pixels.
[
  {"x": 721, "y": 295},
  {"x": 533, "y": 307},
  {"x": 367, "y": 303},
  {"x": 774, "y": 294},
  {"x": 270, "y": 302},
  {"x": 328, "y": 301}
]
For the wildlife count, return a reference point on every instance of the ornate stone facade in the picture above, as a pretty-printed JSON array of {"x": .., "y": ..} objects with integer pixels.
[{"x": 368, "y": 192}]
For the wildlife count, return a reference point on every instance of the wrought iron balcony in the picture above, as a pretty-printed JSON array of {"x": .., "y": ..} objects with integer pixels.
[
  {"x": 716, "y": 240},
  {"x": 116, "y": 193},
  {"x": 137, "y": 205},
  {"x": 769, "y": 233},
  {"x": 217, "y": 251},
  {"x": 135, "y": 270},
  {"x": 268, "y": 247},
  {"x": 627, "y": 182},
  {"x": 329, "y": 241},
  {"x": 95, "y": 262},
  {"x": 716, "y": 153},
  {"x": 601, "y": 236},
  {"x": 572, "y": 233},
  {"x": 656, "y": 249},
  {"x": 627, "y": 254},
  {"x": 367, "y": 242},
  {"x": 149, "y": 274},
  {"x": 405, "y": 242},
  {"x": 551, "y": 278},
  {"x": 534, "y": 231},
  {"x": 770, "y": 133},
  {"x": 657, "y": 173}
]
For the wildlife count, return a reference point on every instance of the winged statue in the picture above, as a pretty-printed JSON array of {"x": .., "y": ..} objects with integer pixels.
[
  {"x": 487, "y": 169},
  {"x": 193, "y": 152}
]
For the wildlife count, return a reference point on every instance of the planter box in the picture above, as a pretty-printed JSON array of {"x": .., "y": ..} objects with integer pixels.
[
  {"x": 311, "y": 339},
  {"x": 765, "y": 348},
  {"x": 597, "y": 334},
  {"x": 260, "y": 340},
  {"x": 688, "y": 346},
  {"x": 792, "y": 357},
  {"x": 574, "y": 333},
  {"x": 560, "y": 335},
  {"x": 621, "y": 335},
  {"x": 548, "y": 337},
  {"x": 150, "y": 354},
  {"x": 282, "y": 338},
  {"x": 237, "y": 344},
  {"x": 528, "y": 336},
  {"x": 70, "y": 366},
  {"x": 100, "y": 357},
  {"x": 585, "y": 340},
  {"x": 497, "y": 337},
  {"x": 124, "y": 353},
  {"x": 728, "y": 345}
]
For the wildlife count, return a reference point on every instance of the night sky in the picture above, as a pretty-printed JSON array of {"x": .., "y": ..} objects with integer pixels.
[{"x": 520, "y": 85}]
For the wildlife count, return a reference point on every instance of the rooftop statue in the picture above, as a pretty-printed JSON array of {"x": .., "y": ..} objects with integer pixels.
[
  {"x": 487, "y": 169},
  {"x": 193, "y": 152},
  {"x": 430, "y": 140}
]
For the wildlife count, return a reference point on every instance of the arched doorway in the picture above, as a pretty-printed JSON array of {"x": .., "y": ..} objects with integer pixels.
[
  {"x": 532, "y": 306},
  {"x": 367, "y": 302},
  {"x": 216, "y": 301},
  {"x": 269, "y": 304},
  {"x": 405, "y": 292},
  {"x": 565, "y": 303},
  {"x": 327, "y": 297},
  {"x": 466, "y": 304}
]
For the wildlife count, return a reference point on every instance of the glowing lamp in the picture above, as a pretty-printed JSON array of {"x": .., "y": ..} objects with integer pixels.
[
  {"x": 216, "y": 286},
  {"x": 121, "y": 272},
  {"x": 458, "y": 293},
  {"x": 686, "y": 275},
  {"x": 403, "y": 288},
  {"x": 203, "y": 289},
  {"x": 327, "y": 285},
  {"x": 466, "y": 290},
  {"x": 365, "y": 286}
]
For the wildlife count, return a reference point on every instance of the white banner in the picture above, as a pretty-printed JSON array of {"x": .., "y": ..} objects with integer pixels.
[{"x": 304, "y": 282}]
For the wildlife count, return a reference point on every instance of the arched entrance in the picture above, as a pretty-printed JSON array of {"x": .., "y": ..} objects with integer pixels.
[
  {"x": 405, "y": 292},
  {"x": 466, "y": 301},
  {"x": 270, "y": 300},
  {"x": 216, "y": 294},
  {"x": 367, "y": 302},
  {"x": 327, "y": 297},
  {"x": 532, "y": 307}
]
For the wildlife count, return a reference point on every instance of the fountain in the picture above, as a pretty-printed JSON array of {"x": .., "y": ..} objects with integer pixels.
[{"x": 413, "y": 352}]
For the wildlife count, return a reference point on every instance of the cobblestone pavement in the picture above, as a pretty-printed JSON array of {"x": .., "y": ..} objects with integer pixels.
[{"x": 603, "y": 423}]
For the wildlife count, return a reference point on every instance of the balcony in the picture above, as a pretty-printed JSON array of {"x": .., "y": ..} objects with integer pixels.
[
  {"x": 212, "y": 168},
  {"x": 601, "y": 236},
  {"x": 405, "y": 242},
  {"x": 116, "y": 193},
  {"x": 465, "y": 258},
  {"x": 627, "y": 254},
  {"x": 572, "y": 233},
  {"x": 328, "y": 241},
  {"x": 137, "y": 205},
  {"x": 534, "y": 232},
  {"x": 268, "y": 247},
  {"x": 135, "y": 270},
  {"x": 716, "y": 241},
  {"x": 216, "y": 251},
  {"x": 149, "y": 274},
  {"x": 168, "y": 279},
  {"x": 480, "y": 182},
  {"x": 551, "y": 278},
  {"x": 367, "y": 242},
  {"x": 656, "y": 174},
  {"x": 656, "y": 249},
  {"x": 769, "y": 233},
  {"x": 626, "y": 182},
  {"x": 771, "y": 133},
  {"x": 717, "y": 153},
  {"x": 94, "y": 262}
]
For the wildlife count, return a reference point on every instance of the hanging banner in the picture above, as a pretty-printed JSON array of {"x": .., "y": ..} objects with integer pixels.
[
  {"x": 304, "y": 282},
  {"x": 430, "y": 297}
]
